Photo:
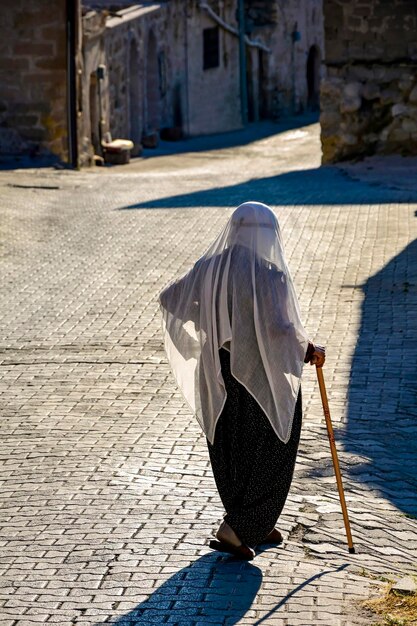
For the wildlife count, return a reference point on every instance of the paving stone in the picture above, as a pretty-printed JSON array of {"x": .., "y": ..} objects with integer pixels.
[{"x": 106, "y": 489}]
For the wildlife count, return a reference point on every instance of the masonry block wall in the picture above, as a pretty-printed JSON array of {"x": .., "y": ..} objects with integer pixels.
[
  {"x": 126, "y": 54},
  {"x": 33, "y": 94},
  {"x": 213, "y": 93},
  {"x": 290, "y": 73},
  {"x": 155, "y": 75},
  {"x": 369, "y": 96},
  {"x": 93, "y": 91}
]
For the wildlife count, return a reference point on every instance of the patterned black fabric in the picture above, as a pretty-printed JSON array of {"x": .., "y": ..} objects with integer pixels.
[{"x": 253, "y": 469}]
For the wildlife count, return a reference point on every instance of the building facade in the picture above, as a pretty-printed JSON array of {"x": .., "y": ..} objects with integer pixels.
[
  {"x": 37, "y": 78},
  {"x": 285, "y": 77},
  {"x": 369, "y": 95},
  {"x": 76, "y": 75},
  {"x": 178, "y": 68},
  {"x": 170, "y": 69}
]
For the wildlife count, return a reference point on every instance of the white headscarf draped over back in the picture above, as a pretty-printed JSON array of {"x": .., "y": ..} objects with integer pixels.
[{"x": 238, "y": 295}]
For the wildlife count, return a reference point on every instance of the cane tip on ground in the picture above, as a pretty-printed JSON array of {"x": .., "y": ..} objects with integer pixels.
[{"x": 352, "y": 551}]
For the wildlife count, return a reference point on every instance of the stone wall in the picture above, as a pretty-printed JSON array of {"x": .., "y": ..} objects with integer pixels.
[
  {"x": 369, "y": 97},
  {"x": 131, "y": 54},
  {"x": 93, "y": 96},
  {"x": 156, "y": 81},
  {"x": 156, "y": 72},
  {"x": 261, "y": 13},
  {"x": 142, "y": 52},
  {"x": 33, "y": 95},
  {"x": 213, "y": 94},
  {"x": 290, "y": 73}
]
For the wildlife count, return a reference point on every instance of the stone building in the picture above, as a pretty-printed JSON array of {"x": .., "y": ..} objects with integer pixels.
[
  {"x": 167, "y": 69},
  {"x": 369, "y": 95},
  {"x": 72, "y": 76},
  {"x": 286, "y": 78},
  {"x": 161, "y": 74},
  {"x": 37, "y": 78},
  {"x": 175, "y": 68}
]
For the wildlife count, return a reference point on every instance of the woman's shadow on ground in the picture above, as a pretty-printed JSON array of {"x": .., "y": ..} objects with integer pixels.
[
  {"x": 215, "y": 589},
  {"x": 219, "y": 590}
]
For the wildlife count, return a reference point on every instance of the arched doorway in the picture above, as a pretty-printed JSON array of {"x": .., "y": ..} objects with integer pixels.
[
  {"x": 313, "y": 77},
  {"x": 152, "y": 85},
  {"x": 134, "y": 94}
]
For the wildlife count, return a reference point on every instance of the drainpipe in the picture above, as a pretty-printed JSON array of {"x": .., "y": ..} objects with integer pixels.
[
  {"x": 187, "y": 93},
  {"x": 242, "y": 62},
  {"x": 72, "y": 14}
]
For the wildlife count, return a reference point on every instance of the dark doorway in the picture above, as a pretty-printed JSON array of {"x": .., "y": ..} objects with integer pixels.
[
  {"x": 313, "y": 78},
  {"x": 94, "y": 113}
]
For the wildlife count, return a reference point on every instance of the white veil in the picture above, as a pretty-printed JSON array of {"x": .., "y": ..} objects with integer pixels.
[{"x": 238, "y": 295}]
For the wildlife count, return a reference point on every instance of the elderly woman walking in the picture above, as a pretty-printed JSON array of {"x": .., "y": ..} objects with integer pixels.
[{"x": 236, "y": 345}]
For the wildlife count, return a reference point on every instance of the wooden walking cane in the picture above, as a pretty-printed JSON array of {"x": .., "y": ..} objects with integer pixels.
[{"x": 333, "y": 450}]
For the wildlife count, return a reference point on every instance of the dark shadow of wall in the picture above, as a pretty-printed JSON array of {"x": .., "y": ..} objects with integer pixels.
[
  {"x": 382, "y": 399},
  {"x": 317, "y": 186}
]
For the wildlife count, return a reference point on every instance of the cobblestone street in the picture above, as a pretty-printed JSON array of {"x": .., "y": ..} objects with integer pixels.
[{"x": 108, "y": 499}]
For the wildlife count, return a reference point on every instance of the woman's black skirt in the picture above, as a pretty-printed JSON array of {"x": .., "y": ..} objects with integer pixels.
[{"x": 252, "y": 467}]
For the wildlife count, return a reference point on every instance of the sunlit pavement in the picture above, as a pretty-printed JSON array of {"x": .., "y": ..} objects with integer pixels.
[{"x": 108, "y": 497}]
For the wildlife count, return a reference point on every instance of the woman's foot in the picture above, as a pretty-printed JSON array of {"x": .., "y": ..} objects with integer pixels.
[
  {"x": 227, "y": 534},
  {"x": 274, "y": 537},
  {"x": 229, "y": 542}
]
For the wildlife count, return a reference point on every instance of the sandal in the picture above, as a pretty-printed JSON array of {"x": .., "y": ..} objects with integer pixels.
[{"x": 242, "y": 552}]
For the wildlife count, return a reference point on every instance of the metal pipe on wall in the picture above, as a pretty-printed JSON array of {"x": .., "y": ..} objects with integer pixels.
[
  {"x": 242, "y": 62},
  {"x": 187, "y": 95}
]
